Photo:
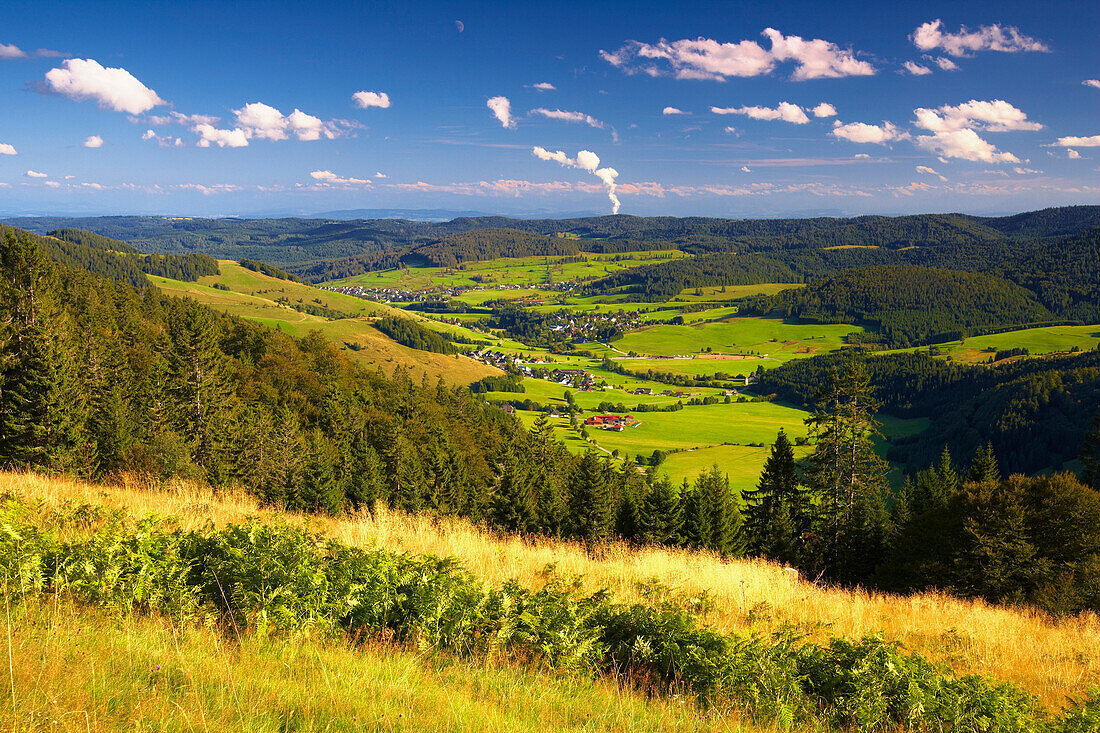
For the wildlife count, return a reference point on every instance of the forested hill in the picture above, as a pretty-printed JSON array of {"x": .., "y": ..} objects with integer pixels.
[
  {"x": 109, "y": 258},
  {"x": 908, "y": 305},
  {"x": 284, "y": 242},
  {"x": 1036, "y": 412}
]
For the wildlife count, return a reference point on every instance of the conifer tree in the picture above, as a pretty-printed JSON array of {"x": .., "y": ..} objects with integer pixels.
[
  {"x": 847, "y": 477},
  {"x": 514, "y": 505},
  {"x": 662, "y": 513},
  {"x": 698, "y": 513},
  {"x": 770, "y": 508},
  {"x": 631, "y": 495},
  {"x": 591, "y": 513},
  {"x": 726, "y": 522},
  {"x": 984, "y": 466}
]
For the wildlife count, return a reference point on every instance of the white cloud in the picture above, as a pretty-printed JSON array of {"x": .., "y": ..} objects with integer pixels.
[
  {"x": 994, "y": 116},
  {"x": 704, "y": 58},
  {"x": 824, "y": 110},
  {"x": 380, "y": 174},
  {"x": 916, "y": 69},
  {"x": 210, "y": 135},
  {"x": 817, "y": 59},
  {"x": 862, "y": 156},
  {"x": 330, "y": 178},
  {"x": 732, "y": 130},
  {"x": 11, "y": 51},
  {"x": 588, "y": 161},
  {"x": 565, "y": 116},
  {"x": 861, "y": 132},
  {"x": 544, "y": 86},
  {"x": 1080, "y": 142},
  {"x": 929, "y": 171},
  {"x": 1070, "y": 153},
  {"x": 746, "y": 169},
  {"x": 946, "y": 64},
  {"x": 93, "y": 141},
  {"x": 36, "y": 174},
  {"x": 1092, "y": 83},
  {"x": 115, "y": 89},
  {"x": 965, "y": 144},
  {"x": 502, "y": 110},
  {"x": 930, "y": 36},
  {"x": 673, "y": 111},
  {"x": 7, "y": 149},
  {"x": 1025, "y": 171},
  {"x": 365, "y": 100},
  {"x": 785, "y": 111},
  {"x": 262, "y": 121},
  {"x": 167, "y": 141},
  {"x": 53, "y": 184}
]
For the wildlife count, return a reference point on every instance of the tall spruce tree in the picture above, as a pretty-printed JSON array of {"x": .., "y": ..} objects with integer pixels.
[
  {"x": 514, "y": 505},
  {"x": 771, "y": 508},
  {"x": 983, "y": 468},
  {"x": 662, "y": 513},
  {"x": 847, "y": 477},
  {"x": 591, "y": 509}
]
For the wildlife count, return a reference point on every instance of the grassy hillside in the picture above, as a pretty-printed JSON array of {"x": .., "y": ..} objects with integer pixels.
[
  {"x": 78, "y": 670},
  {"x": 255, "y": 295},
  {"x": 1047, "y": 657}
]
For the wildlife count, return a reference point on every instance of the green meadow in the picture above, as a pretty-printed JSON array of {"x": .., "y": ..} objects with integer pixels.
[{"x": 763, "y": 336}]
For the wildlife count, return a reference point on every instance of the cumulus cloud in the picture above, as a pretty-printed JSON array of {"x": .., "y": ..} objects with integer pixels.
[
  {"x": 588, "y": 161},
  {"x": 260, "y": 121},
  {"x": 380, "y": 174},
  {"x": 704, "y": 58},
  {"x": 1080, "y": 142},
  {"x": 1092, "y": 83},
  {"x": 930, "y": 36},
  {"x": 746, "y": 169},
  {"x": 732, "y": 130},
  {"x": 364, "y": 100},
  {"x": 502, "y": 110},
  {"x": 916, "y": 69},
  {"x": 210, "y": 135},
  {"x": 824, "y": 110},
  {"x": 330, "y": 178},
  {"x": 946, "y": 64},
  {"x": 785, "y": 111},
  {"x": 929, "y": 171},
  {"x": 7, "y": 149},
  {"x": 93, "y": 141},
  {"x": 112, "y": 88},
  {"x": 673, "y": 111},
  {"x": 1025, "y": 171},
  {"x": 965, "y": 144},
  {"x": 544, "y": 86},
  {"x": 1070, "y": 153},
  {"x": 994, "y": 116},
  {"x": 861, "y": 132},
  {"x": 36, "y": 174}
]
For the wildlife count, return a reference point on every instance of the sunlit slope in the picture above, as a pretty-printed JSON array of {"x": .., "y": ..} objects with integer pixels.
[
  {"x": 255, "y": 295},
  {"x": 1048, "y": 657}
]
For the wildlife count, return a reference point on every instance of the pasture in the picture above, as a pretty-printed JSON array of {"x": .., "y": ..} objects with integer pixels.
[{"x": 760, "y": 336}]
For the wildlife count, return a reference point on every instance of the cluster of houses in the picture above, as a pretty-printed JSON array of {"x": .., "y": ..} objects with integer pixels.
[
  {"x": 407, "y": 295},
  {"x": 610, "y": 422},
  {"x": 589, "y": 326}
]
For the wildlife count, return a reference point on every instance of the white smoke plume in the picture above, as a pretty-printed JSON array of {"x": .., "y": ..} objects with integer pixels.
[{"x": 586, "y": 160}]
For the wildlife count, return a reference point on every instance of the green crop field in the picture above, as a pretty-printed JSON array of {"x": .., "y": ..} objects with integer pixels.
[
  {"x": 769, "y": 336},
  {"x": 531, "y": 271},
  {"x": 1036, "y": 340},
  {"x": 742, "y": 463},
  {"x": 704, "y": 425}
]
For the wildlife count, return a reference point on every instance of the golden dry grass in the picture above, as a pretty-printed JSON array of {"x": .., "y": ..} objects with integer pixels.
[{"x": 1049, "y": 657}]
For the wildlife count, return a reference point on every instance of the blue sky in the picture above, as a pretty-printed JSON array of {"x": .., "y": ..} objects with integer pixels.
[{"x": 723, "y": 109}]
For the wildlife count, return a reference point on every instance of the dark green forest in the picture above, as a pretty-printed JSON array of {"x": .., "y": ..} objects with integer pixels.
[{"x": 908, "y": 305}]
